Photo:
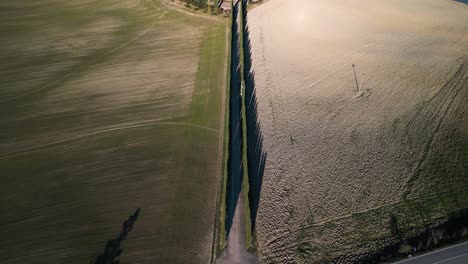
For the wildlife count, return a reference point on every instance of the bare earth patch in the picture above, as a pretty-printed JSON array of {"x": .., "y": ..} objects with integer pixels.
[{"x": 345, "y": 153}]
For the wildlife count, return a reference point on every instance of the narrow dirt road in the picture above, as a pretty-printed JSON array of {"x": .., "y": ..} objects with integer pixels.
[{"x": 236, "y": 252}]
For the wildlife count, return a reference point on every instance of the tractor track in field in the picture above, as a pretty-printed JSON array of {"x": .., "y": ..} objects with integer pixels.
[
  {"x": 83, "y": 67},
  {"x": 104, "y": 131},
  {"x": 447, "y": 95}
]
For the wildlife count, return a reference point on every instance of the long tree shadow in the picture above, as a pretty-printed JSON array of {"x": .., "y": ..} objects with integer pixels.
[
  {"x": 256, "y": 156},
  {"x": 113, "y": 249},
  {"x": 235, "y": 166}
]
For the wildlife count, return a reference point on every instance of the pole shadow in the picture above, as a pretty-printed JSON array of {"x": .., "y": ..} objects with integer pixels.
[{"x": 256, "y": 156}]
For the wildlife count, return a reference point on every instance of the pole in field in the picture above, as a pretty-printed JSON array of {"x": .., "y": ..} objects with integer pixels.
[{"x": 355, "y": 77}]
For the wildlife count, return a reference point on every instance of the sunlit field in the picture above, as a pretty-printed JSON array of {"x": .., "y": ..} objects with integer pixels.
[
  {"x": 105, "y": 107},
  {"x": 364, "y": 113}
]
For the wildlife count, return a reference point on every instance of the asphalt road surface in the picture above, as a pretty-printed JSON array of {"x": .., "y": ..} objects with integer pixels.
[{"x": 456, "y": 254}]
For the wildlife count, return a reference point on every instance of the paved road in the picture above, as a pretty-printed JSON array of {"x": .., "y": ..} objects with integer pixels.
[{"x": 456, "y": 254}]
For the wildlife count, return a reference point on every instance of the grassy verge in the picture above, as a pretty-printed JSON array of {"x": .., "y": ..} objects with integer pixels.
[
  {"x": 221, "y": 215},
  {"x": 211, "y": 58},
  {"x": 245, "y": 182},
  {"x": 214, "y": 44}
]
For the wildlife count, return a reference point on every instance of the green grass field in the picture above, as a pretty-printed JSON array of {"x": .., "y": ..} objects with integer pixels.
[{"x": 107, "y": 106}]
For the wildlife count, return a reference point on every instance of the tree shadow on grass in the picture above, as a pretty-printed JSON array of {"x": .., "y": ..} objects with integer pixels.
[{"x": 256, "y": 156}]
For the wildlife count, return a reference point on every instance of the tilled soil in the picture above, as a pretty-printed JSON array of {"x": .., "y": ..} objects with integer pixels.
[{"x": 345, "y": 151}]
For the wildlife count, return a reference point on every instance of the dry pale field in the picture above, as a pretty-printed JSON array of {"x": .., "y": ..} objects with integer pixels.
[
  {"x": 106, "y": 106},
  {"x": 341, "y": 162}
]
